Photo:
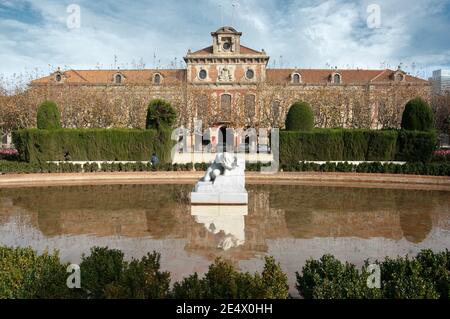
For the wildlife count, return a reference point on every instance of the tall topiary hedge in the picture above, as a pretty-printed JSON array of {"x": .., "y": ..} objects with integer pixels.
[
  {"x": 418, "y": 116},
  {"x": 48, "y": 117},
  {"x": 160, "y": 115},
  {"x": 356, "y": 145},
  {"x": 300, "y": 117},
  {"x": 92, "y": 145},
  {"x": 337, "y": 145},
  {"x": 413, "y": 146}
]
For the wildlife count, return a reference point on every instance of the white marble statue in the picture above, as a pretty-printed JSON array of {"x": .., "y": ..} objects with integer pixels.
[
  {"x": 223, "y": 183},
  {"x": 222, "y": 162}
]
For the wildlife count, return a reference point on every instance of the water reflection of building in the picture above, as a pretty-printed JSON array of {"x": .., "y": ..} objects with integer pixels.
[{"x": 300, "y": 212}]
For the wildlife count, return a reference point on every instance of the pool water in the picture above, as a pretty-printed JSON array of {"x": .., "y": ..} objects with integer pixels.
[{"x": 292, "y": 223}]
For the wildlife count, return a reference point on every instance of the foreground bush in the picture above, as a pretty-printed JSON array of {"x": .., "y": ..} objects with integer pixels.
[
  {"x": 48, "y": 117},
  {"x": 425, "y": 277},
  {"x": 25, "y": 274},
  {"x": 105, "y": 274},
  {"x": 222, "y": 281},
  {"x": 92, "y": 145}
]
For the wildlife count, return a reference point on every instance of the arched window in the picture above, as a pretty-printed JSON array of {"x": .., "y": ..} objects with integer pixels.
[
  {"x": 337, "y": 79},
  {"x": 225, "y": 106},
  {"x": 275, "y": 110},
  {"x": 157, "y": 79},
  {"x": 118, "y": 79},
  {"x": 296, "y": 78},
  {"x": 250, "y": 111},
  {"x": 58, "y": 78}
]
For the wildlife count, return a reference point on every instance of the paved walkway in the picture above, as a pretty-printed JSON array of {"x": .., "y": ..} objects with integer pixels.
[{"x": 307, "y": 178}]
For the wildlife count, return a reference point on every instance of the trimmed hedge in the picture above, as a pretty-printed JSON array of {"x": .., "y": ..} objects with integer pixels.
[
  {"x": 92, "y": 145},
  {"x": 337, "y": 145},
  {"x": 160, "y": 115},
  {"x": 427, "y": 169},
  {"x": 356, "y": 145},
  {"x": 414, "y": 146},
  {"x": 300, "y": 117},
  {"x": 324, "y": 145},
  {"x": 430, "y": 169},
  {"x": 48, "y": 117},
  {"x": 418, "y": 116}
]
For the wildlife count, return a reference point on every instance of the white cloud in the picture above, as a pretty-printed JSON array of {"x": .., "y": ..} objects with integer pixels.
[{"x": 306, "y": 33}]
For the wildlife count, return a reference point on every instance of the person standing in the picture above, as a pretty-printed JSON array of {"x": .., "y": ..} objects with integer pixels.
[{"x": 154, "y": 160}]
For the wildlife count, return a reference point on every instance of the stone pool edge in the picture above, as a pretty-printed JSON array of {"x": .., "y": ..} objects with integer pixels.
[{"x": 287, "y": 178}]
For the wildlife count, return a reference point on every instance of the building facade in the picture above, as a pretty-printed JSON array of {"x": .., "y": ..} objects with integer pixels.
[{"x": 230, "y": 85}]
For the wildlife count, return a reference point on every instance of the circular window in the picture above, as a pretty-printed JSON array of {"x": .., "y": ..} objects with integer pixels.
[
  {"x": 250, "y": 74},
  {"x": 58, "y": 78},
  {"x": 202, "y": 74},
  {"x": 227, "y": 46}
]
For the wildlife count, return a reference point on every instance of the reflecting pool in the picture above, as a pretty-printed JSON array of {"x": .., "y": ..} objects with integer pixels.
[{"x": 292, "y": 223}]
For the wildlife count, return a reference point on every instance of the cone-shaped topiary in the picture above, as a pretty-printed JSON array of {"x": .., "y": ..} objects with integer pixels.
[
  {"x": 418, "y": 116},
  {"x": 300, "y": 117},
  {"x": 160, "y": 114},
  {"x": 48, "y": 117}
]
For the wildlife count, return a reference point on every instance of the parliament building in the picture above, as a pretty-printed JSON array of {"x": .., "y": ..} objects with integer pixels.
[{"x": 230, "y": 85}]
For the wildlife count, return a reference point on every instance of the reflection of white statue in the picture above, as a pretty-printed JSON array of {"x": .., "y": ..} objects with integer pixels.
[
  {"x": 226, "y": 222},
  {"x": 222, "y": 162},
  {"x": 223, "y": 183}
]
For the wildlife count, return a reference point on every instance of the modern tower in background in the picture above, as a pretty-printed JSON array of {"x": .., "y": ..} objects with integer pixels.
[{"x": 441, "y": 82}]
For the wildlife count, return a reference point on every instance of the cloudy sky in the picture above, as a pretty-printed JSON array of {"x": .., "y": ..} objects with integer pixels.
[{"x": 45, "y": 34}]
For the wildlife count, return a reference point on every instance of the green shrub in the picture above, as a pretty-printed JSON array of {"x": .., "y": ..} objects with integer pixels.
[
  {"x": 222, "y": 281},
  {"x": 160, "y": 115},
  {"x": 337, "y": 145},
  {"x": 101, "y": 271},
  {"x": 318, "y": 145},
  {"x": 274, "y": 280},
  {"x": 92, "y": 144},
  {"x": 300, "y": 117},
  {"x": 24, "y": 274},
  {"x": 48, "y": 117},
  {"x": 356, "y": 145},
  {"x": 381, "y": 145},
  {"x": 436, "y": 268},
  {"x": 141, "y": 279},
  {"x": 403, "y": 278},
  {"x": 328, "y": 278},
  {"x": 413, "y": 146},
  {"x": 423, "y": 277},
  {"x": 418, "y": 116}
]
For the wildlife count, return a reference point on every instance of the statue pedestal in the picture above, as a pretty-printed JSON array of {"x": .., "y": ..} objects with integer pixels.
[{"x": 226, "y": 189}]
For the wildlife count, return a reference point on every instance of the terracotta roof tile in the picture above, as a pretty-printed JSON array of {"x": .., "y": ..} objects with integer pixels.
[
  {"x": 204, "y": 51},
  {"x": 322, "y": 76},
  {"x": 107, "y": 76}
]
